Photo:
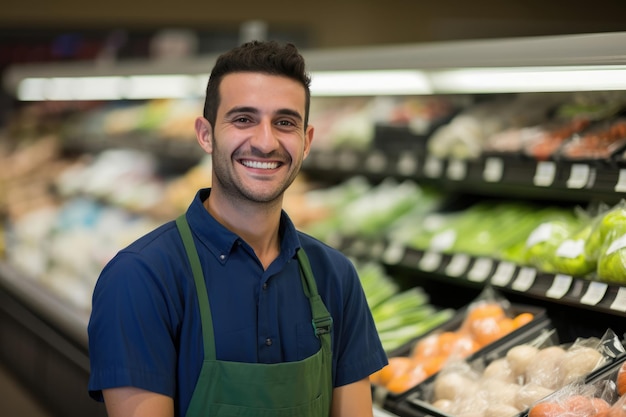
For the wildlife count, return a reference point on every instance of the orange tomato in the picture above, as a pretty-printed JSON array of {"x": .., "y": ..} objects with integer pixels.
[
  {"x": 426, "y": 347},
  {"x": 485, "y": 330},
  {"x": 406, "y": 381},
  {"x": 398, "y": 365},
  {"x": 546, "y": 409},
  {"x": 579, "y": 405},
  {"x": 600, "y": 406},
  {"x": 447, "y": 341},
  {"x": 522, "y": 319},
  {"x": 433, "y": 364},
  {"x": 485, "y": 310},
  {"x": 621, "y": 379}
]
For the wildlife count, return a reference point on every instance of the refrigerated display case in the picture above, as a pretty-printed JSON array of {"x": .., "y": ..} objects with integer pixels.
[{"x": 44, "y": 334}]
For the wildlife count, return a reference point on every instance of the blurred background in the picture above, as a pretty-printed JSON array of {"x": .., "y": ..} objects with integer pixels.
[{"x": 81, "y": 179}]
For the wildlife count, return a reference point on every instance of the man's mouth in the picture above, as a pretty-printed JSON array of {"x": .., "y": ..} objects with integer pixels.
[{"x": 259, "y": 164}]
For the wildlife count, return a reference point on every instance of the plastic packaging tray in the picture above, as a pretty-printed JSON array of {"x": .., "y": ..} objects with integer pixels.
[
  {"x": 415, "y": 404},
  {"x": 523, "y": 334}
]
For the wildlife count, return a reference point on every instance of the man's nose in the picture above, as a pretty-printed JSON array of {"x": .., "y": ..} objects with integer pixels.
[{"x": 264, "y": 137}]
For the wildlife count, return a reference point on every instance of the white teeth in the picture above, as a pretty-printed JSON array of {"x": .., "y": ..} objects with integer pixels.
[{"x": 260, "y": 165}]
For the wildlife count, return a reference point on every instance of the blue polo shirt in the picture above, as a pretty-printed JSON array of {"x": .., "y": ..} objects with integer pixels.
[{"x": 145, "y": 329}]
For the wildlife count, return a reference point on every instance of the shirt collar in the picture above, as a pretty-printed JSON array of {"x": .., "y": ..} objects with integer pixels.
[{"x": 220, "y": 240}]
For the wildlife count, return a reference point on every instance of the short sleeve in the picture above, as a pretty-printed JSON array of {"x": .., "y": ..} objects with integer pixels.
[
  {"x": 132, "y": 329},
  {"x": 358, "y": 350}
]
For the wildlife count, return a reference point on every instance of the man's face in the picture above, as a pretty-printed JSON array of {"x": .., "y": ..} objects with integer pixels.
[{"x": 259, "y": 140}]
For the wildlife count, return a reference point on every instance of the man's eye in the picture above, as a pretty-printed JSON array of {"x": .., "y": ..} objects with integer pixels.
[{"x": 285, "y": 123}]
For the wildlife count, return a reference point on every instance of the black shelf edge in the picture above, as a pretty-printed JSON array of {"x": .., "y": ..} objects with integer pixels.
[
  {"x": 477, "y": 271},
  {"x": 489, "y": 175}
]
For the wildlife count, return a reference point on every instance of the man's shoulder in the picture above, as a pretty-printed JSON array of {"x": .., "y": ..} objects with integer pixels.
[{"x": 155, "y": 239}]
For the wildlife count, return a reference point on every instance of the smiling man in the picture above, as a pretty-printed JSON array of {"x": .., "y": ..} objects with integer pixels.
[{"x": 229, "y": 310}]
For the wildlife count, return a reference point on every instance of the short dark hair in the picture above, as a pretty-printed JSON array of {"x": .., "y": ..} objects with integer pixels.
[{"x": 269, "y": 57}]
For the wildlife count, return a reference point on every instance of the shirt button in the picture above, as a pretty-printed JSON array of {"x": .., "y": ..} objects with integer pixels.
[
  {"x": 222, "y": 257},
  {"x": 268, "y": 342},
  {"x": 265, "y": 285}
]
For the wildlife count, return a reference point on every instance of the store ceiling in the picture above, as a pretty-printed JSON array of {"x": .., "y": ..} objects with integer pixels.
[{"x": 329, "y": 23}]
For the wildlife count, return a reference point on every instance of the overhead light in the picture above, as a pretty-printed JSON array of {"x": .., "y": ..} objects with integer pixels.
[
  {"x": 138, "y": 87},
  {"x": 529, "y": 79},
  {"x": 341, "y": 83},
  {"x": 162, "y": 86},
  {"x": 369, "y": 83},
  {"x": 141, "y": 87}
]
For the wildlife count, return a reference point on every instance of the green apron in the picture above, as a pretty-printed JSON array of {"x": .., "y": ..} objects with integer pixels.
[{"x": 237, "y": 389}]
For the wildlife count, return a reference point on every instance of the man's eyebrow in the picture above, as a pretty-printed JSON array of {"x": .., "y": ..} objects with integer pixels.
[
  {"x": 289, "y": 112},
  {"x": 254, "y": 110},
  {"x": 242, "y": 109}
]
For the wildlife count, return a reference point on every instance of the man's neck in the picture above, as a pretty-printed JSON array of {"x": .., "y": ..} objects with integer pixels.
[{"x": 257, "y": 225}]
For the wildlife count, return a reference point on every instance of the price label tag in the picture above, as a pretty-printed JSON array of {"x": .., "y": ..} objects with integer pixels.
[
  {"x": 394, "y": 253},
  {"x": 545, "y": 174},
  {"x": 579, "y": 176},
  {"x": 433, "y": 167},
  {"x": 494, "y": 169},
  {"x": 504, "y": 273},
  {"x": 620, "y": 187},
  {"x": 480, "y": 270},
  {"x": 560, "y": 286},
  {"x": 430, "y": 261},
  {"x": 347, "y": 160},
  {"x": 595, "y": 293},
  {"x": 407, "y": 164},
  {"x": 619, "y": 303},
  {"x": 458, "y": 265},
  {"x": 525, "y": 279},
  {"x": 376, "y": 162},
  {"x": 457, "y": 169}
]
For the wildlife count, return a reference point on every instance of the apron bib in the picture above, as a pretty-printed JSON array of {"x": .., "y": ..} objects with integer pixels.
[{"x": 238, "y": 389}]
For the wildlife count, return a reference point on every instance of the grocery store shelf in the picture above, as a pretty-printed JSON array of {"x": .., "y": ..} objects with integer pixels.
[
  {"x": 466, "y": 270},
  {"x": 490, "y": 175},
  {"x": 44, "y": 345}
]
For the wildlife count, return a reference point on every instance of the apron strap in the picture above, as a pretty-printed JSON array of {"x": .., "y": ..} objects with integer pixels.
[
  {"x": 203, "y": 295},
  {"x": 322, "y": 321}
]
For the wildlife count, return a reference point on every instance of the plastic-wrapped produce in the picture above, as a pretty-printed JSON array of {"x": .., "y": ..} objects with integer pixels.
[
  {"x": 465, "y": 136},
  {"x": 523, "y": 376},
  {"x": 599, "y": 142}
]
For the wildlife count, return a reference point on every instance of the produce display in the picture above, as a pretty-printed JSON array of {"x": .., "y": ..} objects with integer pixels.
[
  {"x": 357, "y": 207},
  {"x": 467, "y": 134},
  {"x": 524, "y": 375},
  {"x": 588, "y": 246},
  {"x": 491, "y": 228},
  {"x": 400, "y": 316},
  {"x": 604, "y": 396},
  {"x": 572, "y": 114},
  {"x": 67, "y": 212},
  {"x": 487, "y": 320},
  {"x": 598, "y": 142}
]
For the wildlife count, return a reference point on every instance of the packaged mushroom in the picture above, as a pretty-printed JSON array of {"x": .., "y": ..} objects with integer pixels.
[{"x": 523, "y": 375}]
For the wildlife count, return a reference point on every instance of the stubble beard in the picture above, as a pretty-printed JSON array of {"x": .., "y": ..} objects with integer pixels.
[{"x": 232, "y": 185}]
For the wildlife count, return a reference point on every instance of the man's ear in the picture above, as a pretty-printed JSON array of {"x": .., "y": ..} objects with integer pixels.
[
  {"x": 204, "y": 134},
  {"x": 308, "y": 138}
]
